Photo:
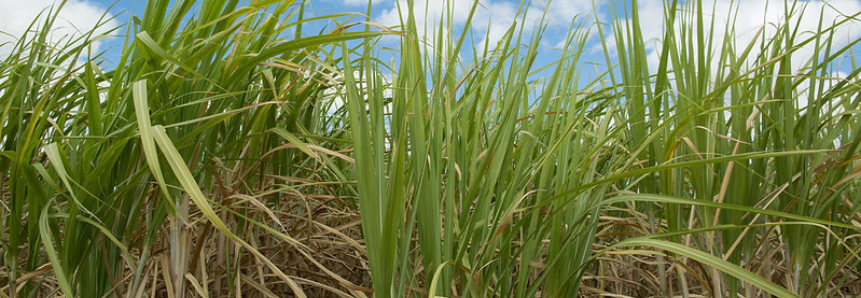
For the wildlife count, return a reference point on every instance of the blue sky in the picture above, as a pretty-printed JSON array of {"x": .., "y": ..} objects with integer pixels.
[{"x": 492, "y": 19}]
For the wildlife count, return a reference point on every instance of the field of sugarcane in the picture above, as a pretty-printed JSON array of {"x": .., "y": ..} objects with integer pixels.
[{"x": 230, "y": 153}]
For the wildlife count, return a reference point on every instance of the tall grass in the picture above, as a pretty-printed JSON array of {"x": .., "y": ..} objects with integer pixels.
[
  {"x": 214, "y": 159},
  {"x": 708, "y": 165},
  {"x": 199, "y": 154}
]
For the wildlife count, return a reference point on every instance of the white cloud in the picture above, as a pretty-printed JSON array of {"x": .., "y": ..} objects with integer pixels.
[
  {"x": 748, "y": 17},
  {"x": 492, "y": 17},
  {"x": 561, "y": 12},
  {"x": 76, "y": 17},
  {"x": 356, "y": 2}
]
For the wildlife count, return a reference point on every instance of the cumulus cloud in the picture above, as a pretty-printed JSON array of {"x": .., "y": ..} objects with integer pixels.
[
  {"x": 76, "y": 17},
  {"x": 357, "y": 2},
  {"x": 561, "y": 12},
  {"x": 748, "y": 17},
  {"x": 492, "y": 17}
]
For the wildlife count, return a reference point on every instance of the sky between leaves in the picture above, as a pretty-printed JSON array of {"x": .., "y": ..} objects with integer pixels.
[{"x": 493, "y": 18}]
